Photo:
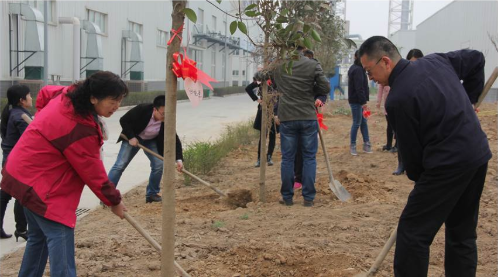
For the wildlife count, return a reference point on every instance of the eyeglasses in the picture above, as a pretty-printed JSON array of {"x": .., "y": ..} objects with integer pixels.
[{"x": 369, "y": 73}]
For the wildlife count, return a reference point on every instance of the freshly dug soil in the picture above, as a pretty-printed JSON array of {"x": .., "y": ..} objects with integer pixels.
[{"x": 332, "y": 238}]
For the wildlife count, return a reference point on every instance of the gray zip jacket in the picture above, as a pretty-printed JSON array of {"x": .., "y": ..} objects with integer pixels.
[{"x": 299, "y": 89}]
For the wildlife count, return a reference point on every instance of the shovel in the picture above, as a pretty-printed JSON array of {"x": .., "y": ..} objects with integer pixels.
[
  {"x": 183, "y": 170},
  {"x": 154, "y": 243},
  {"x": 334, "y": 185}
]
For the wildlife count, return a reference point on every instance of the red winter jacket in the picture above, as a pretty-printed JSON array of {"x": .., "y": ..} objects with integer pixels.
[{"x": 53, "y": 160}]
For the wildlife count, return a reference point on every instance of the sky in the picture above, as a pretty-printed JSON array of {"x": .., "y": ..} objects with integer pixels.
[{"x": 370, "y": 18}]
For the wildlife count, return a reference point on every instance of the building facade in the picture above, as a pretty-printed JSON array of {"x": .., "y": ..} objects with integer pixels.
[{"x": 128, "y": 38}]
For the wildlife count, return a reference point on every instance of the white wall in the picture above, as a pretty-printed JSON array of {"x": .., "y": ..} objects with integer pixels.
[
  {"x": 462, "y": 24},
  {"x": 405, "y": 40}
]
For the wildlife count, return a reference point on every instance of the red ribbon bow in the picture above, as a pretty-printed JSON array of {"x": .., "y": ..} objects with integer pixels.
[
  {"x": 176, "y": 33},
  {"x": 322, "y": 125},
  {"x": 186, "y": 68}
]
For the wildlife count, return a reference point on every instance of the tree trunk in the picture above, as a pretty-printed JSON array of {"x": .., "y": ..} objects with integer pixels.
[
  {"x": 168, "y": 208},
  {"x": 264, "y": 127}
]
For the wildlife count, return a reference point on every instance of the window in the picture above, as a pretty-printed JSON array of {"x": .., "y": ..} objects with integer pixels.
[
  {"x": 135, "y": 27},
  {"x": 243, "y": 73},
  {"x": 162, "y": 38},
  {"x": 40, "y": 5},
  {"x": 214, "y": 25},
  {"x": 199, "y": 25},
  {"x": 100, "y": 19},
  {"x": 235, "y": 73}
]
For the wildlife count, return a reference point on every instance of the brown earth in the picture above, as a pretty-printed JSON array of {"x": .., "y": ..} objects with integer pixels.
[{"x": 267, "y": 239}]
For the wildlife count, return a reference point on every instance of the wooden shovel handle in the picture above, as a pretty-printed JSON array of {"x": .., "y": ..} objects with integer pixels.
[
  {"x": 151, "y": 240},
  {"x": 487, "y": 87},
  {"x": 183, "y": 170}
]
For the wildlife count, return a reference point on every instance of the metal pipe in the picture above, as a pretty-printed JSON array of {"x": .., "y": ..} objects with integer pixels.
[
  {"x": 76, "y": 44},
  {"x": 10, "y": 45},
  {"x": 45, "y": 42}
]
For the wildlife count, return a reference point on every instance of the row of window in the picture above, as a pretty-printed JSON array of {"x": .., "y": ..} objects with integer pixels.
[{"x": 236, "y": 73}]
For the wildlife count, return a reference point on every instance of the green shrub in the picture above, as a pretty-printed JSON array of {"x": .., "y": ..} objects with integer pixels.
[{"x": 202, "y": 157}]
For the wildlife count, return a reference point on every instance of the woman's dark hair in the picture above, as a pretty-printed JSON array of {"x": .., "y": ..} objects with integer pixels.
[
  {"x": 14, "y": 95},
  {"x": 357, "y": 60},
  {"x": 100, "y": 85},
  {"x": 414, "y": 53}
]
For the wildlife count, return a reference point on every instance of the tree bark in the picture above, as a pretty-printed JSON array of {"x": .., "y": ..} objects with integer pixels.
[
  {"x": 264, "y": 127},
  {"x": 168, "y": 203}
]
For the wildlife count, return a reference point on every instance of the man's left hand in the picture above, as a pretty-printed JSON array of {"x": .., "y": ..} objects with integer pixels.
[{"x": 318, "y": 103}]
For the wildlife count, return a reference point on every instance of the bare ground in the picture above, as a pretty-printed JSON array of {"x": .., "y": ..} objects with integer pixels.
[{"x": 267, "y": 239}]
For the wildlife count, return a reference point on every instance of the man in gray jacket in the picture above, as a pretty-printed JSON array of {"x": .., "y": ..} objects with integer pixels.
[{"x": 298, "y": 124}]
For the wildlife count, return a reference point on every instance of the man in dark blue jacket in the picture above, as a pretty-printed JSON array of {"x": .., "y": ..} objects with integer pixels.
[
  {"x": 358, "y": 95},
  {"x": 442, "y": 146}
]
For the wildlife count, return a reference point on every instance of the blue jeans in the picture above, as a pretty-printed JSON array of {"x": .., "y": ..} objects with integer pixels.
[
  {"x": 304, "y": 133},
  {"x": 358, "y": 122},
  {"x": 126, "y": 154},
  {"x": 48, "y": 239}
]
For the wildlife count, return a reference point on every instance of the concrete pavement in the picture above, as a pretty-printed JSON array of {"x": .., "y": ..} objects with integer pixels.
[{"x": 203, "y": 123}]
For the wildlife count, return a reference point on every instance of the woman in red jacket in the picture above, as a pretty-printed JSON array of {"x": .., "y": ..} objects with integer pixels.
[{"x": 49, "y": 166}]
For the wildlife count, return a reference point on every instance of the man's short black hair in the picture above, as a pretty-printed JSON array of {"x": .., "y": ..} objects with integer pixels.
[
  {"x": 308, "y": 52},
  {"x": 378, "y": 46},
  {"x": 159, "y": 101}
]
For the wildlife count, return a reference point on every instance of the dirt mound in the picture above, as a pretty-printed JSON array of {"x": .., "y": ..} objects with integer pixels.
[{"x": 239, "y": 197}]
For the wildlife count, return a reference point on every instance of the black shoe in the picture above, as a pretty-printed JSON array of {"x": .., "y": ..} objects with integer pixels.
[
  {"x": 307, "y": 203},
  {"x": 257, "y": 164},
  {"x": 400, "y": 170},
  {"x": 23, "y": 235},
  {"x": 270, "y": 162},
  {"x": 153, "y": 198},
  {"x": 386, "y": 148},
  {"x": 4, "y": 235},
  {"x": 393, "y": 150},
  {"x": 286, "y": 202}
]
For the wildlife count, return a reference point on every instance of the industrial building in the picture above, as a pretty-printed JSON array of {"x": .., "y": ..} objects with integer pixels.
[
  {"x": 459, "y": 25},
  {"x": 128, "y": 38}
]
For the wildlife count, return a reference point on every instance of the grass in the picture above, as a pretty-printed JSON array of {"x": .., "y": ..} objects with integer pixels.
[
  {"x": 342, "y": 111},
  {"x": 201, "y": 157},
  {"x": 218, "y": 224},
  {"x": 244, "y": 217}
]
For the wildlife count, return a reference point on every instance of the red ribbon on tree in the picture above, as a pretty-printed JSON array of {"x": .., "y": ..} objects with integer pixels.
[
  {"x": 176, "y": 33},
  {"x": 322, "y": 125},
  {"x": 186, "y": 68}
]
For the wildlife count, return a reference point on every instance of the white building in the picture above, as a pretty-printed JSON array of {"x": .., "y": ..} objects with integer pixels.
[
  {"x": 459, "y": 25},
  {"x": 128, "y": 38}
]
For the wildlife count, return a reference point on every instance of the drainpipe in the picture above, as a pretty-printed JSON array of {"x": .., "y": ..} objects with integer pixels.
[
  {"x": 76, "y": 44},
  {"x": 45, "y": 43}
]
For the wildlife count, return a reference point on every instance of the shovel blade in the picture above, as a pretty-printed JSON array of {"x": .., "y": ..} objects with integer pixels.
[{"x": 339, "y": 191}]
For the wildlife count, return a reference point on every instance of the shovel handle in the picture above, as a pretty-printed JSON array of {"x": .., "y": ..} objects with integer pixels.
[
  {"x": 322, "y": 142},
  {"x": 154, "y": 243},
  {"x": 487, "y": 87},
  {"x": 183, "y": 170},
  {"x": 390, "y": 242}
]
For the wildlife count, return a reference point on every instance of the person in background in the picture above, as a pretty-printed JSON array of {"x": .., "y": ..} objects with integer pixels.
[
  {"x": 144, "y": 124},
  {"x": 12, "y": 127},
  {"x": 58, "y": 153},
  {"x": 298, "y": 123},
  {"x": 382, "y": 93},
  {"x": 298, "y": 163},
  {"x": 258, "y": 97},
  {"x": 443, "y": 147},
  {"x": 358, "y": 95}
]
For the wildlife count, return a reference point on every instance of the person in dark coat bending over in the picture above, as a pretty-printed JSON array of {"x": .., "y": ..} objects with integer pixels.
[
  {"x": 144, "y": 124},
  {"x": 443, "y": 147}
]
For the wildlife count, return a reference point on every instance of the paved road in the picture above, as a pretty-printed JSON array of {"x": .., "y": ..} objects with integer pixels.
[{"x": 206, "y": 122}]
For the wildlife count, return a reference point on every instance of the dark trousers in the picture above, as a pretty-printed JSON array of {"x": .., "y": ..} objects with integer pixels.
[
  {"x": 271, "y": 143},
  {"x": 21, "y": 224},
  {"x": 298, "y": 165},
  {"x": 389, "y": 134},
  {"x": 450, "y": 197}
]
